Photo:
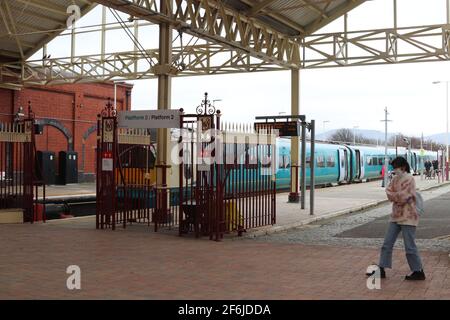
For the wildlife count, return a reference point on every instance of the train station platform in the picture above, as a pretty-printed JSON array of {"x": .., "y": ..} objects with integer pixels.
[
  {"x": 329, "y": 202},
  {"x": 333, "y": 202},
  {"x": 69, "y": 190},
  {"x": 138, "y": 264}
]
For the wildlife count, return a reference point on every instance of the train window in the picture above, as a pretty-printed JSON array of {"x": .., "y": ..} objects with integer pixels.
[
  {"x": 288, "y": 162},
  {"x": 308, "y": 160},
  {"x": 369, "y": 161},
  {"x": 373, "y": 161},
  {"x": 380, "y": 161},
  {"x": 331, "y": 161},
  {"x": 320, "y": 161},
  {"x": 283, "y": 162}
]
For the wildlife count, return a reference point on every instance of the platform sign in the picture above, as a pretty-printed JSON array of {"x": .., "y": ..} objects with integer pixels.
[
  {"x": 107, "y": 161},
  {"x": 149, "y": 119},
  {"x": 285, "y": 128}
]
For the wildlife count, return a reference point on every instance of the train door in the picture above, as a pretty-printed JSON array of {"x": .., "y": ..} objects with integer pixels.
[
  {"x": 359, "y": 164},
  {"x": 347, "y": 165},
  {"x": 343, "y": 165}
]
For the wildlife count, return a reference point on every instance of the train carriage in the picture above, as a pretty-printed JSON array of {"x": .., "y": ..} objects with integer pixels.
[{"x": 334, "y": 164}]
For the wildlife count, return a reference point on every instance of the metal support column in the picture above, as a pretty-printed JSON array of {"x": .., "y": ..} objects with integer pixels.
[
  {"x": 303, "y": 168},
  {"x": 164, "y": 103},
  {"x": 312, "y": 164},
  {"x": 295, "y": 110}
]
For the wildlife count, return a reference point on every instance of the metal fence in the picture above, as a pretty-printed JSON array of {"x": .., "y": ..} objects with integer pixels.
[
  {"x": 19, "y": 187},
  {"x": 230, "y": 185},
  {"x": 226, "y": 179},
  {"x": 126, "y": 192}
]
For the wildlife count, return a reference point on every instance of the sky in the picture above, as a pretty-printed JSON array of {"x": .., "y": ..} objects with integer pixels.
[{"x": 343, "y": 97}]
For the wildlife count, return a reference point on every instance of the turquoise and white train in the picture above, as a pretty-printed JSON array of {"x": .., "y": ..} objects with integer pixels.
[{"x": 343, "y": 163}]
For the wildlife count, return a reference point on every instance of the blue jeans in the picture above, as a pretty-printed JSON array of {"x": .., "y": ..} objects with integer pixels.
[{"x": 409, "y": 235}]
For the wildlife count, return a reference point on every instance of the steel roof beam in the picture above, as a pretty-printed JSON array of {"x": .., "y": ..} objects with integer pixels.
[
  {"x": 45, "y": 6},
  {"x": 259, "y": 6},
  {"x": 332, "y": 15},
  {"x": 10, "y": 25},
  {"x": 213, "y": 21},
  {"x": 46, "y": 39},
  {"x": 205, "y": 59},
  {"x": 382, "y": 46},
  {"x": 274, "y": 14}
]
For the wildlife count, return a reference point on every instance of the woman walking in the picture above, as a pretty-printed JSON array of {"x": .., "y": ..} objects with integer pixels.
[{"x": 402, "y": 193}]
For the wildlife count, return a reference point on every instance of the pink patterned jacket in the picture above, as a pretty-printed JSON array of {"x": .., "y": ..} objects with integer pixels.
[{"x": 402, "y": 192}]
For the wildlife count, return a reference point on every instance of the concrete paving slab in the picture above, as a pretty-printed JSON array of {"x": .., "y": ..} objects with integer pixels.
[
  {"x": 332, "y": 202},
  {"x": 435, "y": 223}
]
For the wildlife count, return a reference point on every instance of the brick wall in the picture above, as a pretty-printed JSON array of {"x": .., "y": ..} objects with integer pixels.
[
  {"x": 73, "y": 108},
  {"x": 6, "y": 104}
]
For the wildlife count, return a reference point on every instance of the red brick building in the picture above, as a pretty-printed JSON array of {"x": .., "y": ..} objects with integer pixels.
[{"x": 68, "y": 114}]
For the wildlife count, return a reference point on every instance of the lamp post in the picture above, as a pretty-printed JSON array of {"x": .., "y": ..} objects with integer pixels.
[
  {"x": 408, "y": 148},
  {"x": 395, "y": 144},
  {"x": 446, "y": 132},
  {"x": 386, "y": 160},
  {"x": 214, "y": 101},
  {"x": 354, "y": 135},
  {"x": 324, "y": 122}
]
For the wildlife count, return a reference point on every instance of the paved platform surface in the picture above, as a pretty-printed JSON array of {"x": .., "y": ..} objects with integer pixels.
[
  {"x": 333, "y": 201},
  {"x": 435, "y": 223},
  {"x": 357, "y": 229},
  {"x": 139, "y": 264},
  {"x": 75, "y": 189}
]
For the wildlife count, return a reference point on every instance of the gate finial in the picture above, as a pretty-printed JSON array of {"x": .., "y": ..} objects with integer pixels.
[
  {"x": 109, "y": 110},
  {"x": 206, "y": 108}
]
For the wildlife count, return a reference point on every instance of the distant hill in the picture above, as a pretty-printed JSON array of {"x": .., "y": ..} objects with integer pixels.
[
  {"x": 440, "y": 138},
  {"x": 370, "y": 134},
  {"x": 374, "y": 134}
]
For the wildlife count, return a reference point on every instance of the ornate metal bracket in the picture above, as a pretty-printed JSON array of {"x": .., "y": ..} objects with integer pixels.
[
  {"x": 109, "y": 110},
  {"x": 206, "y": 108}
]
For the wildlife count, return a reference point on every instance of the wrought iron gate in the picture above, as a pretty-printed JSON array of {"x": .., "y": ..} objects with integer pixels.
[
  {"x": 227, "y": 176},
  {"x": 126, "y": 189},
  {"x": 19, "y": 187}
]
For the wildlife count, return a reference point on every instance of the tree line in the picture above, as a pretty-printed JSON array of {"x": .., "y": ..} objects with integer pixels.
[{"x": 345, "y": 135}]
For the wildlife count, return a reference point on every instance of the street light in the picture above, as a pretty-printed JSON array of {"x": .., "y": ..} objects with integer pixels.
[
  {"x": 408, "y": 148},
  {"x": 395, "y": 144},
  {"x": 386, "y": 160},
  {"x": 446, "y": 132},
  {"x": 214, "y": 101},
  {"x": 323, "y": 122},
  {"x": 354, "y": 135}
]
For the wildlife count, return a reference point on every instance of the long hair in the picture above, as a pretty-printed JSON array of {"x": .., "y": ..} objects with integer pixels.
[{"x": 400, "y": 162}]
